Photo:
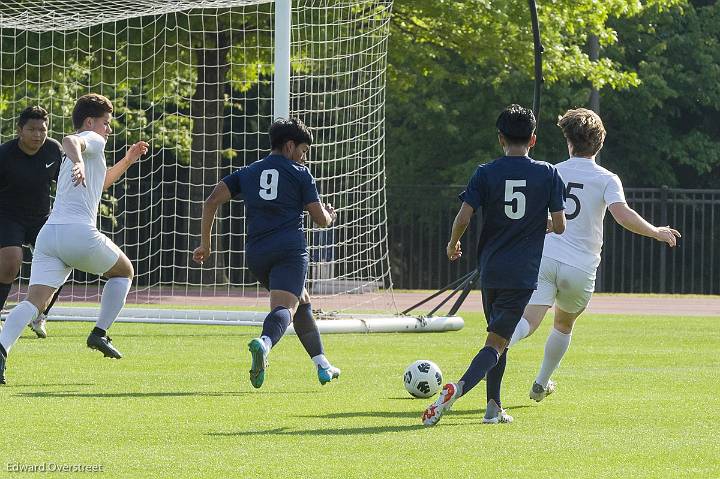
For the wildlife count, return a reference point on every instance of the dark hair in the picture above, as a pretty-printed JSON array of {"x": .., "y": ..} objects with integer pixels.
[
  {"x": 92, "y": 105},
  {"x": 584, "y": 130},
  {"x": 516, "y": 124},
  {"x": 282, "y": 131},
  {"x": 32, "y": 113}
]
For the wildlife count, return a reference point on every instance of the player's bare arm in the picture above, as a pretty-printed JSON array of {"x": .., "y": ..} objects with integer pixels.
[
  {"x": 558, "y": 221},
  {"x": 460, "y": 224},
  {"x": 322, "y": 215},
  {"x": 73, "y": 146},
  {"x": 118, "y": 169},
  {"x": 632, "y": 221},
  {"x": 220, "y": 195}
]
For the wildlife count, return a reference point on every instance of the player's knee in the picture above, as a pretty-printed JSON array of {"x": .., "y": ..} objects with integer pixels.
[
  {"x": 9, "y": 271},
  {"x": 564, "y": 323}
]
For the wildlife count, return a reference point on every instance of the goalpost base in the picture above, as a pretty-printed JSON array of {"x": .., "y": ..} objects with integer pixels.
[{"x": 340, "y": 323}]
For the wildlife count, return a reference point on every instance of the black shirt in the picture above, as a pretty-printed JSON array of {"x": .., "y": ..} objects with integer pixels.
[{"x": 25, "y": 180}]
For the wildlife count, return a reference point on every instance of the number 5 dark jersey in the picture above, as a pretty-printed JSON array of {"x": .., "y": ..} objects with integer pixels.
[
  {"x": 276, "y": 191},
  {"x": 25, "y": 180},
  {"x": 514, "y": 194}
]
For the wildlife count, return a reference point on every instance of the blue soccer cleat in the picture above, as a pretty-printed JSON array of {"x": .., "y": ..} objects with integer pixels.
[
  {"x": 259, "y": 356},
  {"x": 325, "y": 375}
]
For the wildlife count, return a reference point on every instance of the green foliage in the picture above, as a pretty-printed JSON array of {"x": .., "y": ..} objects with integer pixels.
[{"x": 454, "y": 65}]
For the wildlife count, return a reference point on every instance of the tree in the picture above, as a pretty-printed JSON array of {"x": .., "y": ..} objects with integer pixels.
[{"x": 454, "y": 65}]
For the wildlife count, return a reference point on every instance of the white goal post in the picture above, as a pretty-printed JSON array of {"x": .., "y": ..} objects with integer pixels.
[{"x": 201, "y": 81}]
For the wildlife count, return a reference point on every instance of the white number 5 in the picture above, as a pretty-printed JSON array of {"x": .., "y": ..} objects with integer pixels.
[
  {"x": 514, "y": 200},
  {"x": 269, "y": 184}
]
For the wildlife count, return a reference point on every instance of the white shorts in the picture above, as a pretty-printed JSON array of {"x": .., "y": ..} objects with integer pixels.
[
  {"x": 61, "y": 248},
  {"x": 569, "y": 287}
]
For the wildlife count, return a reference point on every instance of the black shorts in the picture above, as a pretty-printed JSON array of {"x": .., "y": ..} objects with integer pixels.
[
  {"x": 504, "y": 308},
  {"x": 17, "y": 233}
]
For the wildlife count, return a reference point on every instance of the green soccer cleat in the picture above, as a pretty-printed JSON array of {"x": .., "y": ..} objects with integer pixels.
[
  {"x": 259, "y": 356},
  {"x": 325, "y": 375}
]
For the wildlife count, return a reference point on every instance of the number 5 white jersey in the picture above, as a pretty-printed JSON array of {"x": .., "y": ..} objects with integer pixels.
[{"x": 590, "y": 190}]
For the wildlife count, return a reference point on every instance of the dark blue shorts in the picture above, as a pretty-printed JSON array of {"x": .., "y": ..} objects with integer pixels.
[
  {"x": 504, "y": 308},
  {"x": 283, "y": 270}
]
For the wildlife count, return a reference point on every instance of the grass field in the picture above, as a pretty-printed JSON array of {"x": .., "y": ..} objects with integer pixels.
[{"x": 637, "y": 397}]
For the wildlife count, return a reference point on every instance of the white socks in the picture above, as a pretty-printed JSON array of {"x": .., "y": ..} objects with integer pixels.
[
  {"x": 521, "y": 331},
  {"x": 17, "y": 320},
  {"x": 112, "y": 301},
  {"x": 555, "y": 347},
  {"x": 267, "y": 342},
  {"x": 321, "y": 361}
]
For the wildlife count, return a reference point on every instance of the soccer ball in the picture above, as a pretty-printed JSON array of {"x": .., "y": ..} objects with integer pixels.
[{"x": 422, "y": 378}]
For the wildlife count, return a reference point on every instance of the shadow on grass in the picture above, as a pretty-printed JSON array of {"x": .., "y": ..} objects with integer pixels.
[
  {"x": 46, "y": 385},
  {"x": 158, "y": 394},
  {"x": 399, "y": 414},
  {"x": 346, "y": 431}
]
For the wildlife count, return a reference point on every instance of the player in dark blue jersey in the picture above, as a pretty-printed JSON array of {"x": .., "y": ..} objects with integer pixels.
[
  {"x": 29, "y": 164},
  {"x": 277, "y": 190},
  {"x": 514, "y": 195}
]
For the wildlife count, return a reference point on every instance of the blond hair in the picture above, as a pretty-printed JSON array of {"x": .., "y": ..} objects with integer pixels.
[{"x": 584, "y": 130}]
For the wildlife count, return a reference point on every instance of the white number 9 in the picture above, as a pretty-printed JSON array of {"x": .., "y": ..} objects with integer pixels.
[{"x": 269, "y": 184}]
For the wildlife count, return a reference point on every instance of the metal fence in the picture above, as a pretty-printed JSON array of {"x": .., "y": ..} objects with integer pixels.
[{"x": 420, "y": 220}]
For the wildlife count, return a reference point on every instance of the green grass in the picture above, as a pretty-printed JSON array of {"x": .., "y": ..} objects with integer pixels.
[{"x": 637, "y": 397}]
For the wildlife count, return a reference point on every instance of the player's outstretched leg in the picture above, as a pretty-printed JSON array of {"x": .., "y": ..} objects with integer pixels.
[
  {"x": 309, "y": 335},
  {"x": 112, "y": 301},
  {"x": 274, "y": 327},
  {"x": 39, "y": 324},
  {"x": 449, "y": 394},
  {"x": 16, "y": 321},
  {"x": 483, "y": 361}
]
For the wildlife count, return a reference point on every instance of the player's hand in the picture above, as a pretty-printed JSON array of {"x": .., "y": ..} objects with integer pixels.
[
  {"x": 549, "y": 227},
  {"x": 78, "y": 174},
  {"x": 667, "y": 235},
  {"x": 136, "y": 151},
  {"x": 201, "y": 253},
  {"x": 454, "y": 251},
  {"x": 331, "y": 211}
]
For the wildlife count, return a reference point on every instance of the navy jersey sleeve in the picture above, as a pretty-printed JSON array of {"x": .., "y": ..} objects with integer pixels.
[
  {"x": 557, "y": 195},
  {"x": 232, "y": 181},
  {"x": 474, "y": 193},
  {"x": 309, "y": 189}
]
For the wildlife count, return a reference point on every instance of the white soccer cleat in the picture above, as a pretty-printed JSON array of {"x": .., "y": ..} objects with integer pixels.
[
  {"x": 538, "y": 393},
  {"x": 494, "y": 414},
  {"x": 39, "y": 326},
  {"x": 449, "y": 394}
]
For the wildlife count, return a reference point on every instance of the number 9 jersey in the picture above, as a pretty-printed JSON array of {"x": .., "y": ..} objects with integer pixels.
[
  {"x": 275, "y": 191},
  {"x": 590, "y": 190},
  {"x": 514, "y": 195}
]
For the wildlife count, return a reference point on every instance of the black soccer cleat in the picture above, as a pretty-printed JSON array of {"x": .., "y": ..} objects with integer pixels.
[
  {"x": 104, "y": 345},
  {"x": 2, "y": 367}
]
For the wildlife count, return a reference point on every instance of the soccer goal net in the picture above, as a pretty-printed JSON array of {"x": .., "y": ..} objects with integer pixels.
[{"x": 196, "y": 79}]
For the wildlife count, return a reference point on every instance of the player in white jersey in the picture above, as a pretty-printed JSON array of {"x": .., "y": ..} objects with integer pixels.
[
  {"x": 70, "y": 239},
  {"x": 569, "y": 262}
]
